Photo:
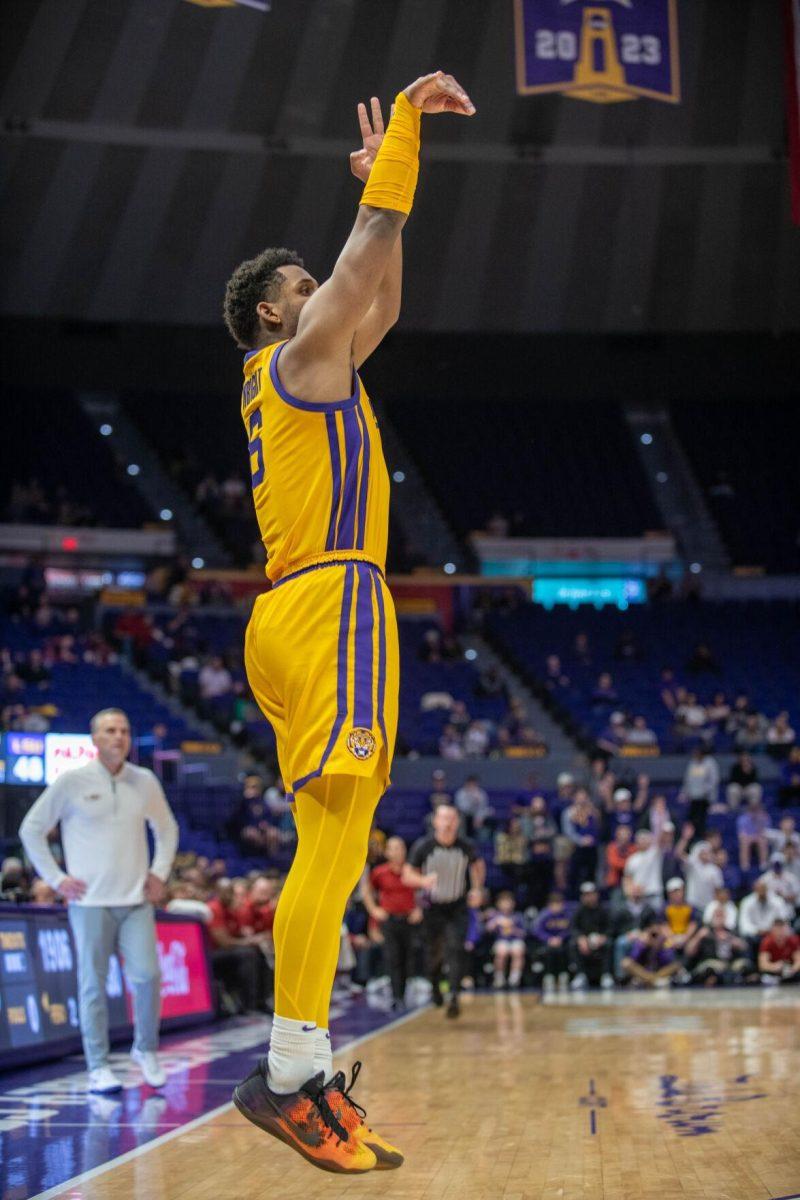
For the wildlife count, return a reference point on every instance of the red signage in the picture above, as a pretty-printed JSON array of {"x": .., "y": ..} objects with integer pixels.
[{"x": 185, "y": 983}]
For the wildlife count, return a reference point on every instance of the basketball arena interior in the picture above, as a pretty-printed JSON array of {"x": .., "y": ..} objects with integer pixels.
[{"x": 588, "y": 408}]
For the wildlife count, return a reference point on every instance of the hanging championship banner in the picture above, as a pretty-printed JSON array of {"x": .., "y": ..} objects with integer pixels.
[{"x": 617, "y": 50}]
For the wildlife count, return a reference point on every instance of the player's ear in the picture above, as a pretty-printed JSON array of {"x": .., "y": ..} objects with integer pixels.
[{"x": 268, "y": 315}]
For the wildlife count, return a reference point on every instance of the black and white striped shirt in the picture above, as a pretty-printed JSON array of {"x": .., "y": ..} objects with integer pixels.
[{"x": 450, "y": 864}]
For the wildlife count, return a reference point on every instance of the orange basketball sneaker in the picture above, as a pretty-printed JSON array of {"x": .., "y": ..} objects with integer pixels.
[
  {"x": 352, "y": 1117},
  {"x": 304, "y": 1121}
]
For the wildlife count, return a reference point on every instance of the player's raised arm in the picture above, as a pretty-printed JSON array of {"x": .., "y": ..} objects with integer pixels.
[{"x": 330, "y": 318}]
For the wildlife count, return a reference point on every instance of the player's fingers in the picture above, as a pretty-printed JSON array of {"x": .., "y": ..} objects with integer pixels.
[
  {"x": 363, "y": 122},
  {"x": 453, "y": 88},
  {"x": 377, "y": 115}
]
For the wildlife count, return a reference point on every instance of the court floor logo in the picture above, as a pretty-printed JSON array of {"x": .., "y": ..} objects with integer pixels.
[{"x": 361, "y": 743}]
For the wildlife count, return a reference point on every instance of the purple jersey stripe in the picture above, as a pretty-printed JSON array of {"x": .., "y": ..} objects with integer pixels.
[
  {"x": 330, "y": 406},
  {"x": 378, "y": 585},
  {"x": 345, "y": 536},
  {"x": 362, "y": 492},
  {"x": 341, "y": 678},
  {"x": 365, "y": 624},
  {"x": 336, "y": 476}
]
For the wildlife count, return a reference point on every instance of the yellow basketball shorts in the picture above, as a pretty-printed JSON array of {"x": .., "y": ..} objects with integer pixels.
[{"x": 322, "y": 659}]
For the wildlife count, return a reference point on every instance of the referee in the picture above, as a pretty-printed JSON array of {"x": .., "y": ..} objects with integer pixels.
[
  {"x": 111, "y": 886},
  {"x": 447, "y": 866}
]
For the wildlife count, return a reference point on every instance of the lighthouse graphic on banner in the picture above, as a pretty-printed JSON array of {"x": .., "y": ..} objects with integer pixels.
[{"x": 603, "y": 52}]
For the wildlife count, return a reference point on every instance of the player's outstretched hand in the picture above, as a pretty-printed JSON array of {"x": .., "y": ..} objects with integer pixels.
[
  {"x": 438, "y": 93},
  {"x": 371, "y": 135}
]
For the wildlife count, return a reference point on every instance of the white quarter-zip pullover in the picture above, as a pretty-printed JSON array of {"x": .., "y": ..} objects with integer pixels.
[{"x": 103, "y": 832}]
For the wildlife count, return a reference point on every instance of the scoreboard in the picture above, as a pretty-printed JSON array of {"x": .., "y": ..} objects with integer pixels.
[
  {"x": 39, "y": 982},
  {"x": 36, "y": 759}
]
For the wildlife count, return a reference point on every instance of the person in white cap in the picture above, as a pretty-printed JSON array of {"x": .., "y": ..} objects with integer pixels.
[
  {"x": 781, "y": 882},
  {"x": 110, "y": 885}
]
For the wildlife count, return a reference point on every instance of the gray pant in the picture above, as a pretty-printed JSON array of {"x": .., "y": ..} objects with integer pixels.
[{"x": 98, "y": 932}]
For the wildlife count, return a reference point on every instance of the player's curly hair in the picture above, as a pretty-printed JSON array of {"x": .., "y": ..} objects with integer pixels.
[{"x": 253, "y": 281}]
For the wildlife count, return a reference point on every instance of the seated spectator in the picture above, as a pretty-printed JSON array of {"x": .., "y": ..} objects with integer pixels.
[
  {"x": 472, "y": 801},
  {"x": 256, "y": 914},
  {"x": 718, "y": 711},
  {"x": 785, "y": 835},
  {"x": 721, "y": 903},
  {"x": 554, "y": 676},
  {"x": 186, "y": 900},
  {"x": 236, "y": 958},
  {"x": 604, "y": 694},
  {"x": 617, "y": 855},
  {"x": 753, "y": 733},
  {"x": 612, "y": 738},
  {"x": 552, "y": 930},
  {"x": 35, "y": 671},
  {"x": 781, "y": 882},
  {"x": 451, "y": 744},
  {"x": 639, "y": 735},
  {"x": 591, "y": 942},
  {"x": 215, "y": 679},
  {"x": 789, "y": 790},
  {"x": 780, "y": 736},
  {"x": 42, "y": 895},
  {"x": 740, "y": 710},
  {"x": 779, "y": 954},
  {"x": 649, "y": 961},
  {"x": 679, "y": 916},
  {"x": 507, "y": 927},
  {"x": 758, "y": 912},
  {"x": 743, "y": 782},
  {"x": 791, "y": 860},
  {"x": 477, "y": 739},
  {"x": 691, "y": 717},
  {"x": 716, "y": 955},
  {"x": 751, "y": 830}
]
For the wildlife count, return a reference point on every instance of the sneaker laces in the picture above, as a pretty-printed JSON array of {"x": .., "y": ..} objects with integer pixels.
[
  {"x": 339, "y": 1084},
  {"x": 316, "y": 1093}
]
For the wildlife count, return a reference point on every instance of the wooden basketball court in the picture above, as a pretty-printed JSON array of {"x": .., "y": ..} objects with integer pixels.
[{"x": 622, "y": 1097}]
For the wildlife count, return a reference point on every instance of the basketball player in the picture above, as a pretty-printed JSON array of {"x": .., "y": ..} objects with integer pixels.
[{"x": 321, "y": 647}]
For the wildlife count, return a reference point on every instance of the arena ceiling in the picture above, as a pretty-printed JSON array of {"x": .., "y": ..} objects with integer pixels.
[{"x": 149, "y": 145}]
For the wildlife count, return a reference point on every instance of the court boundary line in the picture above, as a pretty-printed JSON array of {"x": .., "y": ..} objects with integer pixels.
[{"x": 171, "y": 1134}]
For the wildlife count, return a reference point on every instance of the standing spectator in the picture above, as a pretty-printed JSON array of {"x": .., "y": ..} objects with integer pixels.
[
  {"x": 779, "y": 954},
  {"x": 110, "y": 885},
  {"x": 472, "y": 801},
  {"x": 392, "y": 903},
  {"x": 758, "y": 911},
  {"x": 703, "y": 876},
  {"x": 512, "y": 852},
  {"x": 580, "y": 823},
  {"x": 552, "y": 929},
  {"x": 617, "y": 855},
  {"x": 446, "y": 866},
  {"x": 700, "y": 787},
  {"x": 591, "y": 944},
  {"x": 743, "y": 782},
  {"x": 508, "y": 951},
  {"x": 643, "y": 869},
  {"x": 751, "y": 829}
]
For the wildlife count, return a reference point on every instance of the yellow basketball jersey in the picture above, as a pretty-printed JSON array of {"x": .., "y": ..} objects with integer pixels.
[{"x": 320, "y": 484}]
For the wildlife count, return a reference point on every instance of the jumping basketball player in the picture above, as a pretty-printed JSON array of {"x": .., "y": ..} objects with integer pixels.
[{"x": 321, "y": 647}]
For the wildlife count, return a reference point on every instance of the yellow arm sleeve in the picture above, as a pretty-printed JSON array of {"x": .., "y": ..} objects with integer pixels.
[{"x": 393, "y": 178}]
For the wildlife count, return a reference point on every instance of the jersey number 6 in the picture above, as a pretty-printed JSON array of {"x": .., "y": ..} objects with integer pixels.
[{"x": 255, "y": 448}]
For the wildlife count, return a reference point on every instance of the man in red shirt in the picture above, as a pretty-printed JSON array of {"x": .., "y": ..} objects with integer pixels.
[
  {"x": 779, "y": 954},
  {"x": 257, "y": 914},
  {"x": 393, "y": 904},
  {"x": 236, "y": 956}
]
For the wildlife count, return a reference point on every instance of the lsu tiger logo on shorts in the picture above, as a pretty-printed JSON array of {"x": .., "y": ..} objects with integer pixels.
[{"x": 361, "y": 743}]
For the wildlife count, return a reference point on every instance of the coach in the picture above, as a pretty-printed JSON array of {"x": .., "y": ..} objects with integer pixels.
[
  {"x": 111, "y": 887},
  {"x": 447, "y": 866}
]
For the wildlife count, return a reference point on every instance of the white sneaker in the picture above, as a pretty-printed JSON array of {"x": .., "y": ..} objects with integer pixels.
[
  {"x": 563, "y": 981},
  {"x": 578, "y": 983},
  {"x": 607, "y": 981},
  {"x": 499, "y": 980},
  {"x": 151, "y": 1068},
  {"x": 103, "y": 1080},
  {"x": 549, "y": 984},
  {"x": 770, "y": 980},
  {"x": 663, "y": 981},
  {"x": 514, "y": 979}
]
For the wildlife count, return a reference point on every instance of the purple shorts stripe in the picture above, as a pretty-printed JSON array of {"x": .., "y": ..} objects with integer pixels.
[
  {"x": 365, "y": 625},
  {"x": 341, "y": 678},
  {"x": 345, "y": 537},
  {"x": 362, "y": 491},
  {"x": 336, "y": 476},
  {"x": 330, "y": 562},
  {"x": 381, "y": 659}
]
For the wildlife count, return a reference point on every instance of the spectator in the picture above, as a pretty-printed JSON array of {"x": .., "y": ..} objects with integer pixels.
[
  {"x": 552, "y": 929},
  {"x": 758, "y": 911},
  {"x": 691, "y": 717},
  {"x": 617, "y": 855},
  {"x": 753, "y": 733},
  {"x": 508, "y": 951},
  {"x": 781, "y": 882},
  {"x": 780, "y": 736},
  {"x": 540, "y": 830},
  {"x": 42, "y": 894},
  {"x": 35, "y": 671},
  {"x": 477, "y": 739},
  {"x": 591, "y": 927},
  {"x": 472, "y": 801},
  {"x": 580, "y": 823},
  {"x": 751, "y": 830},
  {"x": 718, "y": 711},
  {"x": 716, "y": 955},
  {"x": 743, "y": 782},
  {"x": 700, "y": 787},
  {"x": 721, "y": 902},
  {"x": 256, "y": 914},
  {"x": 392, "y": 903},
  {"x": 237, "y": 959},
  {"x": 512, "y": 852},
  {"x": 779, "y": 954},
  {"x": 451, "y": 744},
  {"x": 679, "y": 916},
  {"x": 649, "y": 961},
  {"x": 476, "y": 941},
  {"x": 554, "y": 676},
  {"x": 604, "y": 694},
  {"x": 703, "y": 876},
  {"x": 789, "y": 790},
  {"x": 186, "y": 900},
  {"x": 639, "y": 735},
  {"x": 612, "y": 738},
  {"x": 643, "y": 869},
  {"x": 215, "y": 679}
]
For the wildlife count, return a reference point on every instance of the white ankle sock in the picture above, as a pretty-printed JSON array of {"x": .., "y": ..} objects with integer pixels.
[
  {"x": 291, "y": 1054},
  {"x": 323, "y": 1052}
]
